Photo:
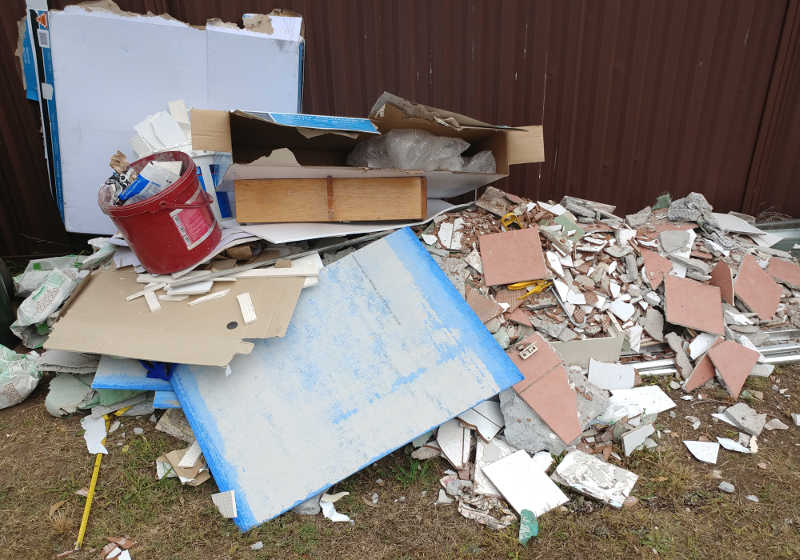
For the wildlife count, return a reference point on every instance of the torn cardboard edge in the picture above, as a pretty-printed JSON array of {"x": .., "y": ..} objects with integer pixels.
[
  {"x": 251, "y": 135},
  {"x": 102, "y": 322}
]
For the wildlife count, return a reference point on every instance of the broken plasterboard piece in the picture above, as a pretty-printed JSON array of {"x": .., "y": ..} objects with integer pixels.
[
  {"x": 579, "y": 352},
  {"x": 226, "y": 503},
  {"x": 701, "y": 344},
  {"x": 485, "y": 417},
  {"x": 524, "y": 485},
  {"x": 94, "y": 434},
  {"x": 704, "y": 451},
  {"x": 455, "y": 441},
  {"x": 594, "y": 477},
  {"x": 611, "y": 376},
  {"x": 648, "y": 399},
  {"x": 731, "y": 445},
  {"x": 382, "y": 300},
  {"x": 635, "y": 438}
]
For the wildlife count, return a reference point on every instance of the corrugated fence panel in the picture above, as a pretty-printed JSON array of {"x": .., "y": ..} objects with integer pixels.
[
  {"x": 636, "y": 97},
  {"x": 774, "y": 181}
]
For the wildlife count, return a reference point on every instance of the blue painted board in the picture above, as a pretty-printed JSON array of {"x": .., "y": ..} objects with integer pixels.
[
  {"x": 125, "y": 373},
  {"x": 165, "y": 399},
  {"x": 382, "y": 350}
]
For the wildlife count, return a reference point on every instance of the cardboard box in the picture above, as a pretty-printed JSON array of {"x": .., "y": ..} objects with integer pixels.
[{"x": 282, "y": 146}]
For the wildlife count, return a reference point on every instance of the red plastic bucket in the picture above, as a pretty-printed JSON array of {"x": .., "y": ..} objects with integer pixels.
[{"x": 172, "y": 230}]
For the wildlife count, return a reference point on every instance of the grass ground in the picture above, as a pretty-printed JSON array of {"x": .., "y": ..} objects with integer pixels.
[{"x": 680, "y": 514}]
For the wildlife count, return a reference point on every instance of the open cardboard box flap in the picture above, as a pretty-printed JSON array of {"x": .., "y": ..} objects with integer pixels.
[{"x": 320, "y": 144}]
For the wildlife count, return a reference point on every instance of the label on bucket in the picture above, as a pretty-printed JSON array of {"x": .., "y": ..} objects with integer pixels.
[{"x": 194, "y": 225}]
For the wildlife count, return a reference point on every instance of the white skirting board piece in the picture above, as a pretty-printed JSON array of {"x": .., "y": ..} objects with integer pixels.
[
  {"x": 383, "y": 350},
  {"x": 524, "y": 484}
]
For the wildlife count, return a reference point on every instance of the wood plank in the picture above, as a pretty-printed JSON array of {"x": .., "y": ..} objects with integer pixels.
[{"x": 335, "y": 199}]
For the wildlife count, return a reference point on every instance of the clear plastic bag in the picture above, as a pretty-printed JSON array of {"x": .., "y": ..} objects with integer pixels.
[{"x": 415, "y": 149}]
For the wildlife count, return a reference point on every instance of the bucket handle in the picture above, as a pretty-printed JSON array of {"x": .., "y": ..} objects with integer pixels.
[{"x": 169, "y": 205}]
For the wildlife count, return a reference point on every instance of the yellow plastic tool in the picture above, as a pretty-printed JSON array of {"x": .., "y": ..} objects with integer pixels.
[
  {"x": 509, "y": 220},
  {"x": 536, "y": 286},
  {"x": 93, "y": 483}
]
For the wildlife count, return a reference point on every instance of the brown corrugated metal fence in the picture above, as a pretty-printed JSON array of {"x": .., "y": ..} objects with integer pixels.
[{"x": 636, "y": 97}]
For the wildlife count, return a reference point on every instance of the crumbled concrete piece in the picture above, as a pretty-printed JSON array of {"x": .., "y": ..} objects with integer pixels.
[
  {"x": 443, "y": 499},
  {"x": 674, "y": 341},
  {"x": 493, "y": 325},
  {"x": 746, "y": 418},
  {"x": 640, "y": 218},
  {"x": 694, "y": 421},
  {"x": 567, "y": 335},
  {"x": 592, "y": 400},
  {"x": 727, "y": 487},
  {"x": 674, "y": 240},
  {"x": 631, "y": 269},
  {"x": 692, "y": 208},
  {"x": 796, "y": 418},
  {"x": 502, "y": 338},
  {"x": 652, "y": 298},
  {"x": 551, "y": 328},
  {"x": 618, "y": 251},
  {"x": 717, "y": 474},
  {"x": 674, "y": 385},
  {"x": 258, "y": 545},
  {"x": 775, "y": 424},
  {"x": 138, "y": 431},
  {"x": 752, "y": 498},
  {"x": 524, "y": 428},
  {"x": 309, "y": 507},
  {"x": 654, "y": 324}
]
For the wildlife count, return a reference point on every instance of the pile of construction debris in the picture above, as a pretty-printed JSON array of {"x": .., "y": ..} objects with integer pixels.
[{"x": 555, "y": 319}]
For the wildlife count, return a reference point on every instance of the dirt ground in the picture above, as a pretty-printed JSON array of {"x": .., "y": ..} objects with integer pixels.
[{"x": 680, "y": 514}]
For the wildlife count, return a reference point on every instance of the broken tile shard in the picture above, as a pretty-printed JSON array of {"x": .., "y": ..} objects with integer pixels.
[
  {"x": 485, "y": 417},
  {"x": 722, "y": 278},
  {"x": 785, "y": 271},
  {"x": 734, "y": 363},
  {"x": 756, "y": 289},
  {"x": 611, "y": 376},
  {"x": 704, "y": 451},
  {"x": 694, "y": 305}
]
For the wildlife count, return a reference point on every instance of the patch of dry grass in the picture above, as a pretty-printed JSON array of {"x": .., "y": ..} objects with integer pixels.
[{"x": 681, "y": 514}]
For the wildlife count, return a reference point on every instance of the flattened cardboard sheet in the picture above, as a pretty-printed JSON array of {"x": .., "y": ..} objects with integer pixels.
[{"x": 102, "y": 322}]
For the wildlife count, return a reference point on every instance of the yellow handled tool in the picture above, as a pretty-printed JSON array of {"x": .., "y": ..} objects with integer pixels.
[
  {"x": 510, "y": 220},
  {"x": 90, "y": 495}
]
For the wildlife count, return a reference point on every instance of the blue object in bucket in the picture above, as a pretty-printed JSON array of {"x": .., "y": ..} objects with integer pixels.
[{"x": 134, "y": 188}]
